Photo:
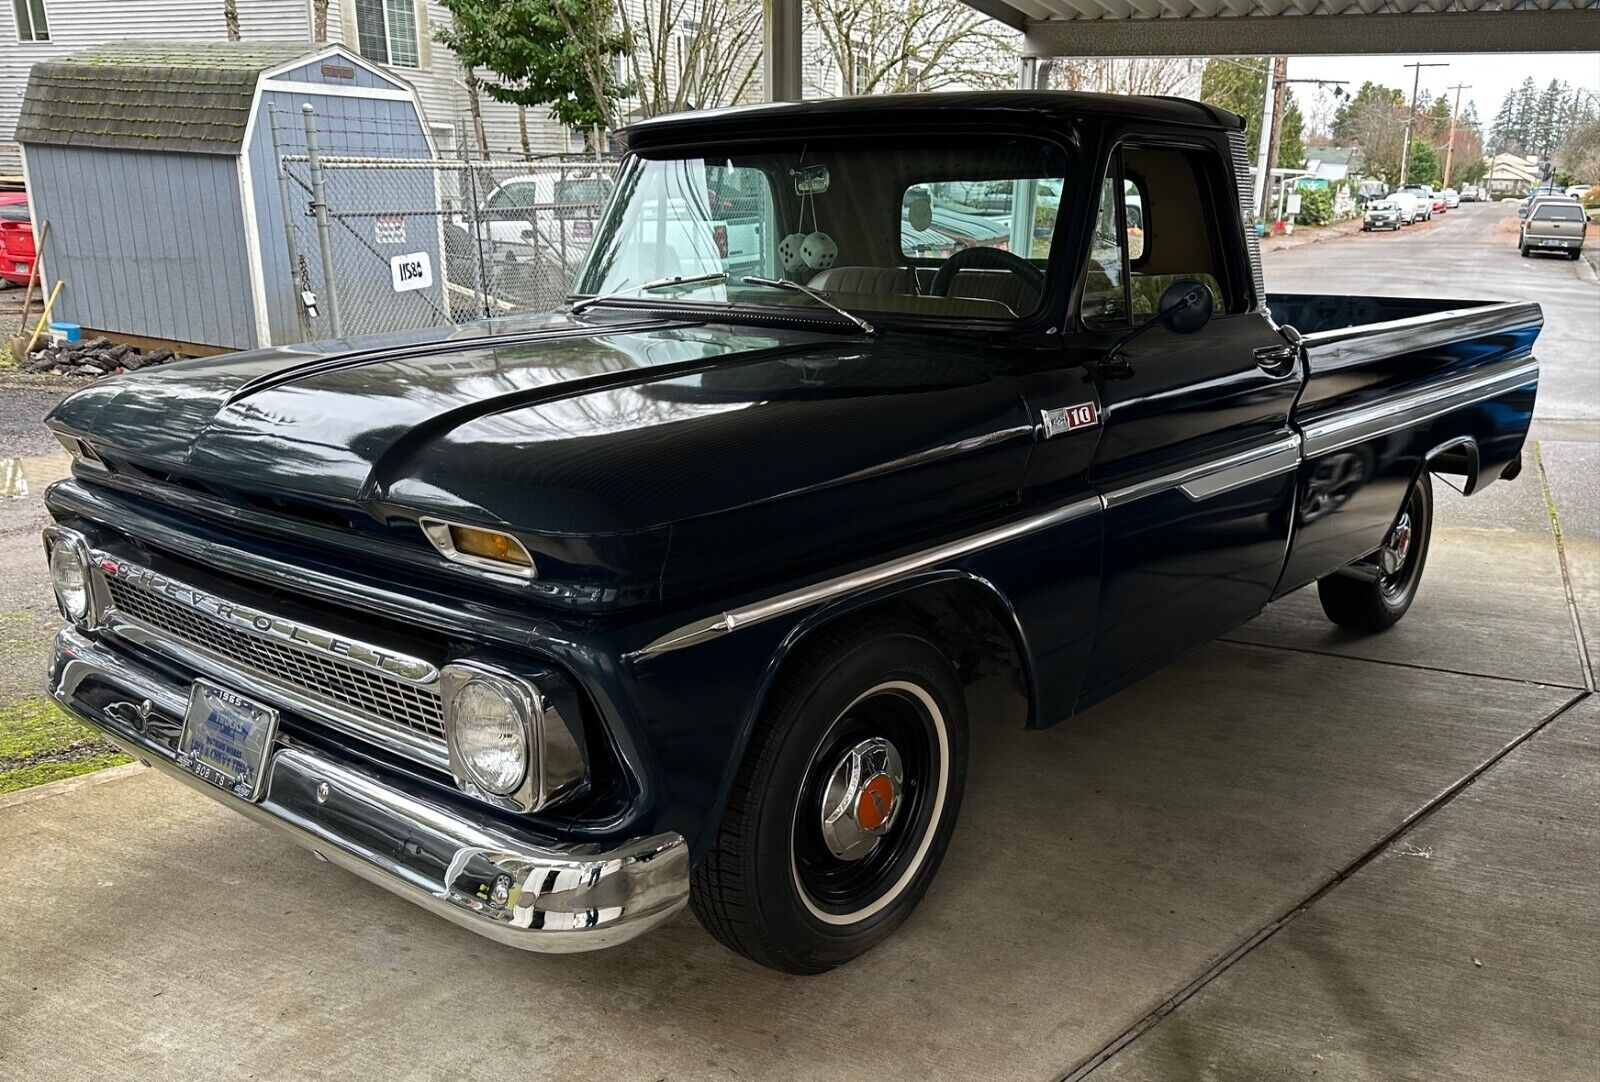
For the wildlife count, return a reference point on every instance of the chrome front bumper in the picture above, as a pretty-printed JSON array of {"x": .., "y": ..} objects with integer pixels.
[{"x": 556, "y": 898}]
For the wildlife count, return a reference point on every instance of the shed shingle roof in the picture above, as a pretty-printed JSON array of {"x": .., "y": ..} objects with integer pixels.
[{"x": 188, "y": 98}]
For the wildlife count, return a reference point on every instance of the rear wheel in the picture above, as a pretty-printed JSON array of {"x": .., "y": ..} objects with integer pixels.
[
  {"x": 1375, "y": 603},
  {"x": 844, "y": 806}
]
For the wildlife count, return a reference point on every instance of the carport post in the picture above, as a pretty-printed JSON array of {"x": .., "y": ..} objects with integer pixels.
[
  {"x": 784, "y": 35},
  {"x": 319, "y": 207}
]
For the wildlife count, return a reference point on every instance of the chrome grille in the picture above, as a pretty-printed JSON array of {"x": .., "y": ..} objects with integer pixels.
[{"x": 385, "y": 701}]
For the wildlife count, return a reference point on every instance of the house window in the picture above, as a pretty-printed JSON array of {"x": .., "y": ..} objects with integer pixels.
[
  {"x": 386, "y": 31},
  {"x": 860, "y": 70},
  {"x": 31, "y": 23}
]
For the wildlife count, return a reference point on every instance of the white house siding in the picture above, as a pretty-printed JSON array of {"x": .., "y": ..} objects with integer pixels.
[{"x": 78, "y": 24}]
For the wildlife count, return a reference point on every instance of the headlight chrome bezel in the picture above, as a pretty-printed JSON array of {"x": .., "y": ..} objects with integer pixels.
[
  {"x": 554, "y": 763},
  {"x": 76, "y": 545}
]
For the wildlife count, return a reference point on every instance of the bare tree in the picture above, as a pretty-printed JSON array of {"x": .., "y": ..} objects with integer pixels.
[
  {"x": 901, "y": 46},
  {"x": 1158, "y": 75},
  {"x": 319, "y": 20},
  {"x": 230, "y": 18},
  {"x": 689, "y": 54}
]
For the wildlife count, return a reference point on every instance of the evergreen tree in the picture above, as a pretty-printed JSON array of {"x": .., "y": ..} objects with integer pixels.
[
  {"x": 1502, "y": 133},
  {"x": 1239, "y": 86},
  {"x": 1425, "y": 164}
]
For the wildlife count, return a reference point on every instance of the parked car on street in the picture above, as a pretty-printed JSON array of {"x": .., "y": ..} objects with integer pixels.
[
  {"x": 17, "y": 250},
  {"x": 1471, "y": 193},
  {"x": 1381, "y": 214},
  {"x": 1578, "y": 191},
  {"x": 1412, "y": 209},
  {"x": 1555, "y": 225},
  {"x": 557, "y": 624},
  {"x": 1428, "y": 201},
  {"x": 1452, "y": 198}
]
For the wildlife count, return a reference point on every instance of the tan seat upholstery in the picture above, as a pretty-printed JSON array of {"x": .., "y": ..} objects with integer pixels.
[
  {"x": 870, "y": 280},
  {"x": 1011, "y": 290}
]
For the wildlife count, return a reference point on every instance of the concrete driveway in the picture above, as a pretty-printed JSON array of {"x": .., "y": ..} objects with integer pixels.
[{"x": 1294, "y": 854}]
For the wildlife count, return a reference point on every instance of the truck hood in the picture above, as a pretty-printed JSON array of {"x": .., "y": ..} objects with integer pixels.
[{"x": 561, "y": 429}]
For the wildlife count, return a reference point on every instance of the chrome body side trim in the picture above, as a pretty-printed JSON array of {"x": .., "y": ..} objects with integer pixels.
[
  {"x": 534, "y": 896},
  {"x": 1280, "y": 458},
  {"x": 1368, "y": 422},
  {"x": 1211, "y": 478},
  {"x": 712, "y": 627}
]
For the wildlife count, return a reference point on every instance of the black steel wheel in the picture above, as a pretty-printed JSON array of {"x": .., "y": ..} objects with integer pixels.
[
  {"x": 1369, "y": 602},
  {"x": 845, "y": 803}
]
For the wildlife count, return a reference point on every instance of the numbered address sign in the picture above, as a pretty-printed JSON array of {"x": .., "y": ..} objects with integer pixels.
[{"x": 413, "y": 271}]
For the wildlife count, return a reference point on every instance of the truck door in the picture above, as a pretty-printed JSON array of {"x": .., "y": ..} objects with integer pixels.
[{"x": 1196, "y": 462}]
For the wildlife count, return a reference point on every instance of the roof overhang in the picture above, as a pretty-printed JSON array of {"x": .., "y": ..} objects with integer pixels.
[{"x": 1296, "y": 27}]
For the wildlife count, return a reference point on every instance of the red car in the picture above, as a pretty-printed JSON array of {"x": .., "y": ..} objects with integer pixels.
[
  {"x": 16, "y": 238},
  {"x": 1438, "y": 203}
]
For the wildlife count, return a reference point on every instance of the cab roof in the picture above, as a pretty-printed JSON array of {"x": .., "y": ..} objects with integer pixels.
[{"x": 1051, "y": 108}]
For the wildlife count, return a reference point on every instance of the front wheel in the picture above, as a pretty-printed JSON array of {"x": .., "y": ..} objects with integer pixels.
[
  {"x": 845, "y": 803},
  {"x": 1371, "y": 603}
]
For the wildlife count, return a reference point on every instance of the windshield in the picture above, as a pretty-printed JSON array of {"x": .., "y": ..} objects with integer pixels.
[{"x": 868, "y": 224}]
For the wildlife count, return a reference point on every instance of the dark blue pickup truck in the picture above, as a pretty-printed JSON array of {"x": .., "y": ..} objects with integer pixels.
[{"x": 554, "y": 624}]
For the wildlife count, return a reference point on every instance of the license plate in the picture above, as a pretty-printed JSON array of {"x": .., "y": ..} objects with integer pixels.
[
  {"x": 226, "y": 739},
  {"x": 1550, "y": 243}
]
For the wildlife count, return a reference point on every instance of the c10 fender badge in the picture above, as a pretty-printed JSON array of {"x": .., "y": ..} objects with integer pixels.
[{"x": 1067, "y": 418}]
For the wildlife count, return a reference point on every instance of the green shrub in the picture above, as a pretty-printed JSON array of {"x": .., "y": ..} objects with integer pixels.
[{"x": 1316, "y": 207}]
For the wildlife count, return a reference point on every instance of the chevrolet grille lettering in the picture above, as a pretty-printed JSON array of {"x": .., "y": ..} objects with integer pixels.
[{"x": 266, "y": 625}]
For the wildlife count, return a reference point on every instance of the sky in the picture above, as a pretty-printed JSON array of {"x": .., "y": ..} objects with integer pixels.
[{"x": 1491, "y": 76}]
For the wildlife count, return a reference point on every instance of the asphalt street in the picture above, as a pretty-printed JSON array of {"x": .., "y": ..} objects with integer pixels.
[{"x": 1297, "y": 853}]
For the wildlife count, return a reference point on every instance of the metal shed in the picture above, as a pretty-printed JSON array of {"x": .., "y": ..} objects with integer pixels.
[{"x": 158, "y": 168}]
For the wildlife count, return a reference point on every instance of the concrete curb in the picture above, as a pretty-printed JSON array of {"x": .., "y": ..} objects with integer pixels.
[{"x": 69, "y": 785}]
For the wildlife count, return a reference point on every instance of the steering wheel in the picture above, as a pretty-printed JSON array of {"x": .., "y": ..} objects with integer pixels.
[{"x": 981, "y": 258}]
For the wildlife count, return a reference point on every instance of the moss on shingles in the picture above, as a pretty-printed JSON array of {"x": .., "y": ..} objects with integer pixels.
[{"x": 40, "y": 743}]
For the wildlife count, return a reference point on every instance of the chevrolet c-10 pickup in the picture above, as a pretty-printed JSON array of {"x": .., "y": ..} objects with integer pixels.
[{"x": 556, "y": 624}]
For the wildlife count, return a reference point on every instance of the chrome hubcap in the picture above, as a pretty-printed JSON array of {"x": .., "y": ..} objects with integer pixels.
[
  {"x": 861, "y": 798},
  {"x": 1398, "y": 545}
]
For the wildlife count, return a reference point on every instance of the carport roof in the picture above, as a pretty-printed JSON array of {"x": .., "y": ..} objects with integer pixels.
[
  {"x": 1303, "y": 27},
  {"x": 190, "y": 98}
]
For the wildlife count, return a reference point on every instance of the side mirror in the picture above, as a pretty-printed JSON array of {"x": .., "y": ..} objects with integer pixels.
[
  {"x": 1183, "y": 308},
  {"x": 1186, "y": 306}
]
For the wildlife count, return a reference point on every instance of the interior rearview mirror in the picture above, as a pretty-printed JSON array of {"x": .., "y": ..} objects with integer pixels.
[{"x": 1185, "y": 306}]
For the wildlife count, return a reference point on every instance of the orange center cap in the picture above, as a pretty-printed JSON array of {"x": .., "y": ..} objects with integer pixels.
[{"x": 876, "y": 802}]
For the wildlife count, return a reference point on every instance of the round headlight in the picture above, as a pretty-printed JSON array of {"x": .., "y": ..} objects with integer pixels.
[
  {"x": 489, "y": 737},
  {"x": 70, "y": 578}
]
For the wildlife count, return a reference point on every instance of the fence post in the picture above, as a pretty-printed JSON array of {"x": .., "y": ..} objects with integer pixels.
[
  {"x": 319, "y": 206},
  {"x": 473, "y": 215},
  {"x": 295, "y": 266}
]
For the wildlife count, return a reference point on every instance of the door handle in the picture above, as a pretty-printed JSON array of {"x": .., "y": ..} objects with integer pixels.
[{"x": 1277, "y": 360}]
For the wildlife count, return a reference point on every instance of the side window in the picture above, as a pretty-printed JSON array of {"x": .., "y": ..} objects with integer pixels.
[
  {"x": 1171, "y": 200},
  {"x": 1105, "y": 297},
  {"x": 940, "y": 218},
  {"x": 386, "y": 32}
]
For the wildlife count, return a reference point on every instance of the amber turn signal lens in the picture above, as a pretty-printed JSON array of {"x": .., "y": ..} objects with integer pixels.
[{"x": 489, "y": 545}]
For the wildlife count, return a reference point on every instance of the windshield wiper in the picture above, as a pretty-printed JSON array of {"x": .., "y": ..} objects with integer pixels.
[
  {"x": 657, "y": 283},
  {"x": 796, "y": 287}
]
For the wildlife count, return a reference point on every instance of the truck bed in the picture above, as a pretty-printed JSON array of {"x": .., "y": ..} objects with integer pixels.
[{"x": 1394, "y": 386}]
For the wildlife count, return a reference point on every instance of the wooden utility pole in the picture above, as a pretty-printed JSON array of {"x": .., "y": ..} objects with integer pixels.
[
  {"x": 1411, "y": 115},
  {"x": 1278, "y": 85},
  {"x": 1450, "y": 149}
]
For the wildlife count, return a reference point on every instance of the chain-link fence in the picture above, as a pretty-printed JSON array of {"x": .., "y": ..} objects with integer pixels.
[{"x": 384, "y": 243}]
